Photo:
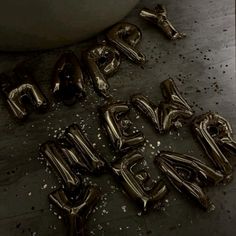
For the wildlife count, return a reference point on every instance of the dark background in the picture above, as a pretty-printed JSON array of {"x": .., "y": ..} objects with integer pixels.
[{"x": 203, "y": 67}]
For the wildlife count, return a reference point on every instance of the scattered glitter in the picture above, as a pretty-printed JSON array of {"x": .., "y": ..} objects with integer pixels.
[
  {"x": 123, "y": 208},
  {"x": 100, "y": 227},
  {"x": 44, "y": 186}
]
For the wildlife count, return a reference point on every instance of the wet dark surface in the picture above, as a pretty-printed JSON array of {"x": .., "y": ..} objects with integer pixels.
[{"x": 203, "y": 68}]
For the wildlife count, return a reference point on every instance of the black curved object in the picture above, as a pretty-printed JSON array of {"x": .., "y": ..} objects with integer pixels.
[
  {"x": 90, "y": 158},
  {"x": 20, "y": 90},
  {"x": 102, "y": 62},
  {"x": 215, "y": 135},
  {"x": 170, "y": 112},
  {"x": 67, "y": 80},
  {"x": 117, "y": 124},
  {"x": 138, "y": 184},
  {"x": 188, "y": 175},
  {"x": 73, "y": 153},
  {"x": 76, "y": 212},
  {"x": 158, "y": 17},
  {"x": 53, "y": 153},
  {"x": 125, "y": 36}
]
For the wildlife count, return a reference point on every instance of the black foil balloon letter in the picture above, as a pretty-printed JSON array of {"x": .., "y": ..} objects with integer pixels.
[
  {"x": 171, "y": 93},
  {"x": 102, "y": 61},
  {"x": 168, "y": 113},
  {"x": 54, "y": 154},
  {"x": 88, "y": 155},
  {"x": 188, "y": 175},
  {"x": 215, "y": 135},
  {"x": 125, "y": 37},
  {"x": 76, "y": 212},
  {"x": 73, "y": 152},
  {"x": 174, "y": 108},
  {"x": 117, "y": 124},
  {"x": 20, "y": 90},
  {"x": 158, "y": 17},
  {"x": 67, "y": 81},
  {"x": 76, "y": 200},
  {"x": 149, "y": 109},
  {"x": 138, "y": 183}
]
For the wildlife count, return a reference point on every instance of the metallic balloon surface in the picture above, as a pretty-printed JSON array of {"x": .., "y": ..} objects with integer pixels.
[
  {"x": 53, "y": 153},
  {"x": 216, "y": 137},
  {"x": 20, "y": 90},
  {"x": 73, "y": 152},
  {"x": 90, "y": 157},
  {"x": 125, "y": 36},
  {"x": 138, "y": 184},
  {"x": 188, "y": 175},
  {"x": 67, "y": 80},
  {"x": 76, "y": 212},
  {"x": 158, "y": 17},
  {"x": 102, "y": 62},
  {"x": 170, "y": 112},
  {"x": 118, "y": 126}
]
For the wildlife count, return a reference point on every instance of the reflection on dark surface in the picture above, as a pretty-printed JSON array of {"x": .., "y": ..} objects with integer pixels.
[
  {"x": 168, "y": 113},
  {"x": 215, "y": 135},
  {"x": 188, "y": 175},
  {"x": 76, "y": 212},
  {"x": 118, "y": 126},
  {"x": 158, "y": 17},
  {"x": 102, "y": 61},
  {"x": 20, "y": 91},
  {"x": 67, "y": 81},
  {"x": 138, "y": 183},
  {"x": 125, "y": 37}
]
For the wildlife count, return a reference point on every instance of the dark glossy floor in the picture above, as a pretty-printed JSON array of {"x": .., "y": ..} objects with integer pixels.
[{"x": 203, "y": 66}]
